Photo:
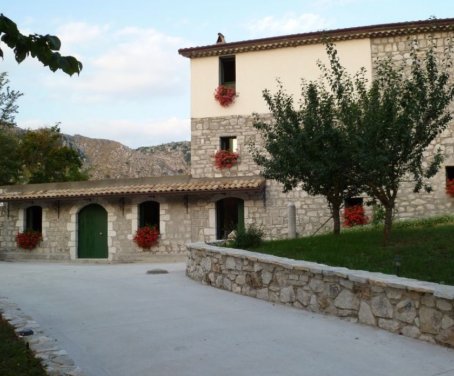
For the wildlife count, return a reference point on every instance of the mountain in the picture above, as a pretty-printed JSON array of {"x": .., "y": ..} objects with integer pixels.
[{"x": 106, "y": 159}]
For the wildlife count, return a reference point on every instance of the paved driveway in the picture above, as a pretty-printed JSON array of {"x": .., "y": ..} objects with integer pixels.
[{"x": 118, "y": 320}]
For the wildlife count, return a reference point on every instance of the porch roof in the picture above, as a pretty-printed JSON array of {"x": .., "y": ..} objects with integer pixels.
[{"x": 181, "y": 184}]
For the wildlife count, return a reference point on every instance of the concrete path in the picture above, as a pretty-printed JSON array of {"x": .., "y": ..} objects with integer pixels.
[{"x": 116, "y": 320}]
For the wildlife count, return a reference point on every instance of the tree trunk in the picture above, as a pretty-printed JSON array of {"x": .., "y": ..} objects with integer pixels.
[
  {"x": 335, "y": 210},
  {"x": 388, "y": 224}
]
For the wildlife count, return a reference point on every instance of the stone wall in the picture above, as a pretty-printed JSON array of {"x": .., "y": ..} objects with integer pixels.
[
  {"x": 312, "y": 212},
  {"x": 410, "y": 204},
  {"x": 416, "y": 309},
  {"x": 59, "y": 229}
]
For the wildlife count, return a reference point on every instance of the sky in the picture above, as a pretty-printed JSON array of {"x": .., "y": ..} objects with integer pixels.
[{"x": 134, "y": 86}]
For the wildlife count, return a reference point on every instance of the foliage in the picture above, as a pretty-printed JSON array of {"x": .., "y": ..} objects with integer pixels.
[
  {"x": 28, "y": 239},
  {"x": 398, "y": 117},
  {"x": 8, "y": 98},
  {"x": 10, "y": 165},
  {"x": 42, "y": 47},
  {"x": 45, "y": 159},
  {"x": 311, "y": 145},
  {"x": 225, "y": 159},
  {"x": 378, "y": 214},
  {"x": 245, "y": 238},
  {"x": 423, "y": 246},
  {"x": 224, "y": 95},
  {"x": 354, "y": 216},
  {"x": 146, "y": 237},
  {"x": 15, "y": 358},
  {"x": 450, "y": 187},
  {"x": 377, "y": 133}
]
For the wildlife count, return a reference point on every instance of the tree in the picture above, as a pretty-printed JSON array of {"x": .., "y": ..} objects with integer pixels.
[
  {"x": 8, "y": 98},
  {"x": 42, "y": 47},
  {"x": 310, "y": 146},
  {"x": 45, "y": 159},
  {"x": 399, "y": 116},
  {"x": 10, "y": 164}
]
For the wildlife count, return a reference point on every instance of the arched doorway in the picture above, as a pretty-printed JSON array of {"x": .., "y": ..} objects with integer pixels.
[
  {"x": 229, "y": 216},
  {"x": 92, "y": 232}
]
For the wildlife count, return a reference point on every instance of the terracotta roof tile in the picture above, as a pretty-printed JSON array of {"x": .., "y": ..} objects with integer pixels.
[
  {"x": 294, "y": 40},
  {"x": 129, "y": 187}
]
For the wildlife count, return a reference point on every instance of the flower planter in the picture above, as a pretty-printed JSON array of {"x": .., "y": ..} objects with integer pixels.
[
  {"x": 146, "y": 237},
  {"x": 28, "y": 239},
  {"x": 225, "y": 159}
]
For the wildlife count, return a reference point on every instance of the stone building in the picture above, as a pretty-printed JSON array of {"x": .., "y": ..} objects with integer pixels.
[{"x": 99, "y": 219}]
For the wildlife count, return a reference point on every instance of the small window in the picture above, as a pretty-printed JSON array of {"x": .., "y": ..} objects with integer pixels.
[
  {"x": 353, "y": 201},
  {"x": 34, "y": 219},
  {"x": 149, "y": 214},
  {"x": 229, "y": 143},
  {"x": 449, "y": 172},
  {"x": 227, "y": 71}
]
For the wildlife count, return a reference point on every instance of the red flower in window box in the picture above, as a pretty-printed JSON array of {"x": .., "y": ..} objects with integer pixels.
[
  {"x": 146, "y": 237},
  {"x": 225, "y": 159},
  {"x": 28, "y": 239},
  {"x": 354, "y": 215},
  {"x": 224, "y": 95},
  {"x": 450, "y": 187}
]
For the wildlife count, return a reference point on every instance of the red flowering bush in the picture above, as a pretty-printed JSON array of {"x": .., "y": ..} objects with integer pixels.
[
  {"x": 224, "y": 95},
  {"x": 28, "y": 239},
  {"x": 146, "y": 237},
  {"x": 354, "y": 215},
  {"x": 450, "y": 187},
  {"x": 225, "y": 159}
]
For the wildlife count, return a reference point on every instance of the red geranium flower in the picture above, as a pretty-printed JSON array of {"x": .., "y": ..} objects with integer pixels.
[
  {"x": 224, "y": 95},
  {"x": 146, "y": 237},
  {"x": 450, "y": 187},
  {"x": 28, "y": 239},
  {"x": 354, "y": 215},
  {"x": 225, "y": 159}
]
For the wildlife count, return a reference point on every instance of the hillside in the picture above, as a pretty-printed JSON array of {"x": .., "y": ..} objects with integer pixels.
[{"x": 106, "y": 159}]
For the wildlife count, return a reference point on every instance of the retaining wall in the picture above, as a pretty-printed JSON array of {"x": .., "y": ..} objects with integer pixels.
[{"x": 416, "y": 309}]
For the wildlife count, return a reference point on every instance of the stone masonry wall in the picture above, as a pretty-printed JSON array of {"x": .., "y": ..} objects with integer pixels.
[
  {"x": 312, "y": 212},
  {"x": 416, "y": 309},
  {"x": 410, "y": 204},
  {"x": 59, "y": 229}
]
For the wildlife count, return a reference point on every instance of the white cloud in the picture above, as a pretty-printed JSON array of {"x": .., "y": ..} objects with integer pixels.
[
  {"x": 288, "y": 24},
  {"x": 76, "y": 33},
  {"x": 130, "y": 63}
]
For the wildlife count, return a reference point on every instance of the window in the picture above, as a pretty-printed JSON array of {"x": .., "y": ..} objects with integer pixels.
[
  {"x": 229, "y": 143},
  {"x": 353, "y": 201},
  {"x": 450, "y": 180},
  {"x": 34, "y": 219},
  {"x": 227, "y": 71},
  {"x": 449, "y": 172},
  {"x": 149, "y": 214}
]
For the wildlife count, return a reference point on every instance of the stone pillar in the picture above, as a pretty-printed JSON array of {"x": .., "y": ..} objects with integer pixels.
[{"x": 291, "y": 221}]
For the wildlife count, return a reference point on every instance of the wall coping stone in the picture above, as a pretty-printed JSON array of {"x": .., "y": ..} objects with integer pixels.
[{"x": 375, "y": 278}]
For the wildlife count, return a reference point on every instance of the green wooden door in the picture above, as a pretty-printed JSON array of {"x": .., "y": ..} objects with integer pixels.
[{"x": 92, "y": 233}]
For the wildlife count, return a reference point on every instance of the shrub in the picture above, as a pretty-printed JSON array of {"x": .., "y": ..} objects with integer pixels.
[
  {"x": 28, "y": 239},
  {"x": 354, "y": 215},
  {"x": 248, "y": 238},
  {"x": 378, "y": 214},
  {"x": 146, "y": 237}
]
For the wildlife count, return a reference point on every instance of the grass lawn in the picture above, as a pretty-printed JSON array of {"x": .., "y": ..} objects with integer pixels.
[
  {"x": 15, "y": 358},
  {"x": 425, "y": 249}
]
